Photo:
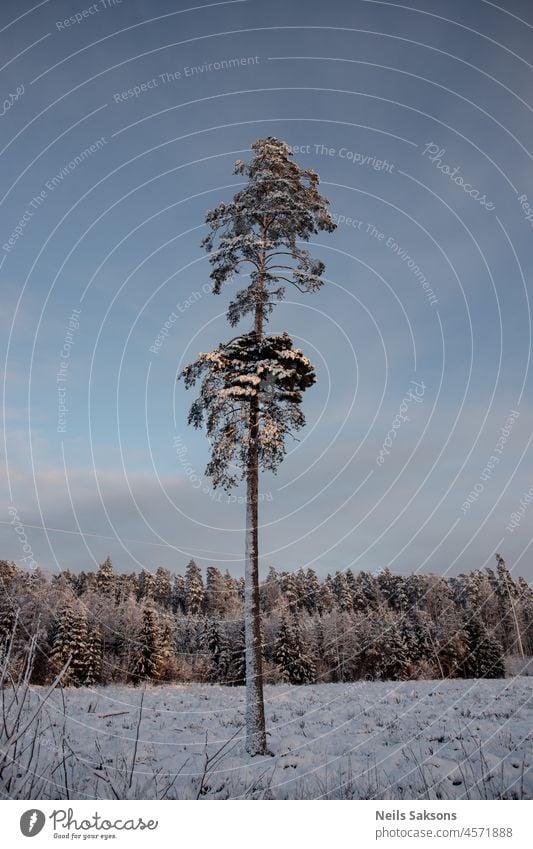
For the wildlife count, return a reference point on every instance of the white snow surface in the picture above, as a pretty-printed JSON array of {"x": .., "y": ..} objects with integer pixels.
[{"x": 451, "y": 739}]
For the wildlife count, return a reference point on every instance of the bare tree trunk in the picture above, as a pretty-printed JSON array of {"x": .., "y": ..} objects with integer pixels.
[
  {"x": 255, "y": 711},
  {"x": 255, "y": 708}
]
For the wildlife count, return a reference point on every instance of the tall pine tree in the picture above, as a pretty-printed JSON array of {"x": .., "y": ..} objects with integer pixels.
[{"x": 252, "y": 386}]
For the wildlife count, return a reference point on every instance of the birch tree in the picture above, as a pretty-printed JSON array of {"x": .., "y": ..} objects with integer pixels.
[{"x": 251, "y": 387}]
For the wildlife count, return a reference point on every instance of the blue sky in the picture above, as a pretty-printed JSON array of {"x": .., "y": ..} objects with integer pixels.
[{"x": 362, "y": 89}]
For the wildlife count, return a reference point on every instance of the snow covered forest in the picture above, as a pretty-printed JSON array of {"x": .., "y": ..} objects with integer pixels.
[
  {"x": 113, "y": 627},
  {"x": 128, "y": 686}
]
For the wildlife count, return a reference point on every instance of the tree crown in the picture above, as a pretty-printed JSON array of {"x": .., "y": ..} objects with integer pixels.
[{"x": 251, "y": 387}]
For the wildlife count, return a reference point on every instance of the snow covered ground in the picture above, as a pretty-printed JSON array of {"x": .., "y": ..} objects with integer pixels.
[{"x": 424, "y": 739}]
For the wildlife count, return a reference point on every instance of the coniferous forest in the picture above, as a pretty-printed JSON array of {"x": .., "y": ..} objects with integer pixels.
[{"x": 165, "y": 627}]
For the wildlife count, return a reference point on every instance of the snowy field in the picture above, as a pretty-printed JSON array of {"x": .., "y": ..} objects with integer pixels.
[{"x": 425, "y": 739}]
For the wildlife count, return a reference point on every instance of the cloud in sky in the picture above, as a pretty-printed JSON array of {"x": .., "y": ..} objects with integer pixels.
[{"x": 118, "y": 239}]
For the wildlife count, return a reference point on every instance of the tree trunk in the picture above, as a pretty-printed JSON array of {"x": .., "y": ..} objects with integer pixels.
[
  {"x": 255, "y": 708},
  {"x": 255, "y": 711}
]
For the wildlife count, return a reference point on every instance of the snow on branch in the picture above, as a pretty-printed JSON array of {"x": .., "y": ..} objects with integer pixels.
[{"x": 270, "y": 370}]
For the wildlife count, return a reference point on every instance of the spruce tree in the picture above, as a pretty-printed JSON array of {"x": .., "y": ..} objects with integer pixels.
[
  {"x": 69, "y": 641},
  {"x": 369, "y": 589},
  {"x": 312, "y": 592},
  {"x": 178, "y": 594},
  {"x": 215, "y": 592},
  {"x": 386, "y": 655},
  {"x": 218, "y": 648},
  {"x": 485, "y": 657},
  {"x": 290, "y": 654},
  {"x": 352, "y": 587},
  {"x": 147, "y": 650},
  {"x": 163, "y": 588},
  {"x": 194, "y": 589},
  {"x": 290, "y": 590},
  {"x": 416, "y": 632},
  {"x": 237, "y": 659},
  {"x": 508, "y": 595},
  {"x": 327, "y": 599},
  {"x": 525, "y": 600},
  {"x": 301, "y": 587},
  {"x": 450, "y": 653},
  {"x": 8, "y": 615},
  {"x": 342, "y": 591},
  {"x": 104, "y": 578},
  {"x": 8, "y": 571},
  {"x": 146, "y": 586},
  {"x": 252, "y": 386}
]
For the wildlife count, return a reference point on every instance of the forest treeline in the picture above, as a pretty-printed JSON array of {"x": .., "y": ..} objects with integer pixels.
[{"x": 115, "y": 627}]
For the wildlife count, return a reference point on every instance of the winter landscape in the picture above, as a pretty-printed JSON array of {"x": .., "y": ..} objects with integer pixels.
[
  {"x": 365, "y": 740},
  {"x": 71, "y": 731}
]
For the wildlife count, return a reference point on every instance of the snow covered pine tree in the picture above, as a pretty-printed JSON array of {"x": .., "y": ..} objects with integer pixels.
[{"x": 252, "y": 386}]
